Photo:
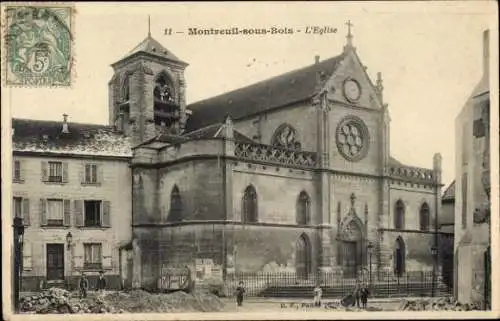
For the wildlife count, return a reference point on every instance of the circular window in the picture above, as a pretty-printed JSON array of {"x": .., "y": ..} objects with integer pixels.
[{"x": 352, "y": 138}]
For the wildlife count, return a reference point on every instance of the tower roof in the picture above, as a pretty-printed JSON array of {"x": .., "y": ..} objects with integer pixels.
[{"x": 151, "y": 46}]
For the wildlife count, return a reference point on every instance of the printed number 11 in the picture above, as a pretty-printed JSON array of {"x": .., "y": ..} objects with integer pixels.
[{"x": 168, "y": 31}]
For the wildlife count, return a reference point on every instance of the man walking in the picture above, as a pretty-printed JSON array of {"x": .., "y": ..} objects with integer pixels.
[{"x": 83, "y": 285}]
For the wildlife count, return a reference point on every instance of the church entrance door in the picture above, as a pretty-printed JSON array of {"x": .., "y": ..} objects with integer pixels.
[
  {"x": 303, "y": 257},
  {"x": 350, "y": 258}
]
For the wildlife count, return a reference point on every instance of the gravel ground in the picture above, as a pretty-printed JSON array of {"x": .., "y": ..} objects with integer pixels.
[{"x": 259, "y": 305}]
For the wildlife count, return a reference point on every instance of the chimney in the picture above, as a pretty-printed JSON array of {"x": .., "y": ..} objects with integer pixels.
[
  {"x": 486, "y": 52},
  {"x": 316, "y": 59},
  {"x": 65, "y": 129}
]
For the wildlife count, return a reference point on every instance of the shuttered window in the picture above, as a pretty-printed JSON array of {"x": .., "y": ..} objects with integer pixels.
[
  {"x": 21, "y": 209},
  {"x": 91, "y": 174},
  {"x": 55, "y": 212},
  {"x": 55, "y": 172},
  {"x": 92, "y": 255},
  {"x": 16, "y": 171},
  {"x": 92, "y": 213}
]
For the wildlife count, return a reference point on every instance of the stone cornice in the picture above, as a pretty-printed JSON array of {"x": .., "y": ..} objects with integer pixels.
[
  {"x": 232, "y": 223},
  {"x": 70, "y": 155},
  {"x": 412, "y": 231}
]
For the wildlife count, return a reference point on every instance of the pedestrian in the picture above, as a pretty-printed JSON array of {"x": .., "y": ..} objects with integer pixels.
[
  {"x": 356, "y": 293},
  {"x": 101, "y": 282},
  {"x": 83, "y": 285},
  {"x": 240, "y": 290},
  {"x": 365, "y": 292},
  {"x": 318, "y": 293}
]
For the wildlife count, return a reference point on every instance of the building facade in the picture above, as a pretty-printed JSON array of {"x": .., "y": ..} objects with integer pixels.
[
  {"x": 71, "y": 178},
  {"x": 472, "y": 192},
  {"x": 291, "y": 174}
]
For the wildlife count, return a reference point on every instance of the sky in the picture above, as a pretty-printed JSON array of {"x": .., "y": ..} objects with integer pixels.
[{"x": 429, "y": 54}]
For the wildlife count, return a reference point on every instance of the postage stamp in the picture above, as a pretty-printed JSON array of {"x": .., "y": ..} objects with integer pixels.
[{"x": 38, "y": 43}]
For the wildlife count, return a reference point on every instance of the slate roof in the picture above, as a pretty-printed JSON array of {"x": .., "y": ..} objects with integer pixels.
[
  {"x": 449, "y": 193},
  {"x": 214, "y": 131},
  {"x": 152, "y": 47},
  {"x": 294, "y": 86},
  {"x": 83, "y": 139}
]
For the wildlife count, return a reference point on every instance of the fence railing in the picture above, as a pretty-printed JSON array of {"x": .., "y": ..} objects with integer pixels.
[{"x": 383, "y": 284}]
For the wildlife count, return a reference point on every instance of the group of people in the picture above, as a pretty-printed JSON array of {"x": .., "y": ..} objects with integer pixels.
[
  {"x": 83, "y": 284},
  {"x": 359, "y": 294}
]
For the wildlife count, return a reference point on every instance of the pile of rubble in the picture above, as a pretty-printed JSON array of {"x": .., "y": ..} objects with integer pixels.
[
  {"x": 441, "y": 304},
  {"x": 55, "y": 300},
  {"x": 61, "y": 301},
  {"x": 142, "y": 301}
]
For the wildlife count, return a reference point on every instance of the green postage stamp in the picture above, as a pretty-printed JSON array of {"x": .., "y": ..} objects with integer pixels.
[{"x": 38, "y": 45}]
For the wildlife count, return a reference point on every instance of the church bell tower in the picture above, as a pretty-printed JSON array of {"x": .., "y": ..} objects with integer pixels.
[{"x": 147, "y": 92}]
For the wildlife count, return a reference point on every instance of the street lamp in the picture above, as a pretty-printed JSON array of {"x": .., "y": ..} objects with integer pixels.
[
  {"x": 434, "y": 252},
  {"x": 370, "y": 252},
  {"x": 18, "y": 257},
  {"x": 69, "y": 242}
]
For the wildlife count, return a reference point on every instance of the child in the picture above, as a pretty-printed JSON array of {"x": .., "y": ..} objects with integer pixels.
[
  {"x": 101, "y": 282},
  {"x": 83, "y": 286},
  {"x": 240, "y": 290},
  {"x": 364, "y": 295},
  {"x": 318, "y": 292}
]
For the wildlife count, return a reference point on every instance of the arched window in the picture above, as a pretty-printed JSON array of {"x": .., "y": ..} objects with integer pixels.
[
  {"x": 399, "y": 256},
  {"x": 286, "y": 136},
  {"x": 399, "y": 215},
  {"x": 424, "y": 217},
  {"x": 303, "y": 257},
  {"x": 303, "y": 209},
  {"x": 163, "y": 89},
  {"x": 175, "y": 214},
  {"x": 125, "y": 89},
  {"x": 250, "y": 206}
]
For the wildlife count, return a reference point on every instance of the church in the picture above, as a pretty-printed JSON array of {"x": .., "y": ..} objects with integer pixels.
[{"x": 290, "y": 174}]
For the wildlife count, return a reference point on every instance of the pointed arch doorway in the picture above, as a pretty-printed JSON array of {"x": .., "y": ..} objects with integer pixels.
[
  {"x": 351, "y": 247},
  {"x": 303, "y": 257}
]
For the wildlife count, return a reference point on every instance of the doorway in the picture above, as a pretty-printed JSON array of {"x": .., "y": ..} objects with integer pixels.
[
  {"x": 350, "y": 258},
  {"x": 303, "y": 257},
  {"x": 55, "y": 262}
]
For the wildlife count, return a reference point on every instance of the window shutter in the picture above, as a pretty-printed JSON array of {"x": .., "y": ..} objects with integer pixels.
[
  {"x": 14, "y": 169},
  {"x": 26, "y": 211},
  {"x": 99, "y": 173},
  {"x": 106, "y": 255},
  {"x": 27, "y": 256},
  {"x": 67, "y": 213},
  {"x": 82, "y": 173},
  {"x": 78, "y": 255},
  {"x": 65, "y": 172},
  {"x": 21, "y": 169},
  {"x": 106, "y": 210},
  {"x": 45, "y": 175},
  {"x": 79, "y": 212},
  {"x": 43, "y": 211}
]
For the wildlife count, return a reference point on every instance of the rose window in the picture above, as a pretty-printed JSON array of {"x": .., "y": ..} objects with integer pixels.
[{"x": 352, "y": 138}]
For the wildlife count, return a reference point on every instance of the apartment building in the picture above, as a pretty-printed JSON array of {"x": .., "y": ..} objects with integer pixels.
[{"x": 72, "y": 187}]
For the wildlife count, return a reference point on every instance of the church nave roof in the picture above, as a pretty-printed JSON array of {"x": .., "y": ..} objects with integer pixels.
[{"x": 285, "y": 89}]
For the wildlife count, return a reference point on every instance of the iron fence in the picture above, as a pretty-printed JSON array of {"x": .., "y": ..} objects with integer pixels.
[{"x": 337, "y": 285}]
